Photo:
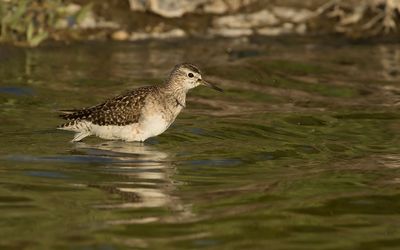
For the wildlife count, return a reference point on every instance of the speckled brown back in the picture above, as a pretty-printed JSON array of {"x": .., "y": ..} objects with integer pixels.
[{"x": 121, "y": 110}]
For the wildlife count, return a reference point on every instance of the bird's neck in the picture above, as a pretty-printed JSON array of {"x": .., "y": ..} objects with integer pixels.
[
  {"x": 175, "y": 88},
  {"x": 176, "y": 91}
]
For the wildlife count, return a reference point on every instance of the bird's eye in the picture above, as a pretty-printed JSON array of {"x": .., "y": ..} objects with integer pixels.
[{"x": 190, "y": 75}]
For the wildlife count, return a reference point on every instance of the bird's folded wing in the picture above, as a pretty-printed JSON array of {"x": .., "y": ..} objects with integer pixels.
[{"x": 121, "y": 110}]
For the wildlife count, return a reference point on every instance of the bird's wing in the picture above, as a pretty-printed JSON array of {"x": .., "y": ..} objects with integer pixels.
[{"x": 121, "y": 110}]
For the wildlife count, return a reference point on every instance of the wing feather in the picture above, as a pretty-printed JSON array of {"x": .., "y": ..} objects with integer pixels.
[{"x": 121, "y": 110}]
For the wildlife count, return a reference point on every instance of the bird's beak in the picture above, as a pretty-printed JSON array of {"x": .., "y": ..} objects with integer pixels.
[{"x": 211, "y": 85}]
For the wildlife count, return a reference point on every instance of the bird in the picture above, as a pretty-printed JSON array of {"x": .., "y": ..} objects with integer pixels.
[{"x": 137, "y": 114}]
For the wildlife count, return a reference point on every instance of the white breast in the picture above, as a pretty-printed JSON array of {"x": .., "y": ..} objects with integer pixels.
[{"x": 152, "y": 125}]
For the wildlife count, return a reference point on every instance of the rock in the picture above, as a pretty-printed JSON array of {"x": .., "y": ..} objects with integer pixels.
[
  {"x": 240, "y": 21},
  {"x": 178, "y": 8},
  {"x": 174, "y": 33},
  {"x": 221, "y": 6},
  {"x": 138, "y": 5},
  {"x": 216, "y": 7},
  {"x": 72, "y": 8},
  {"x": 120, "y": 35},
  {"x": 272, "y": 21},
  {"x": 228, "y": 32},
  {"x": 301, "y": 29},
  {"x": 172, "y": 8},
  {"x": 286, "y": 28},
  {"x": 166, "y": 8},
  {"x": 292, "y": 14}
]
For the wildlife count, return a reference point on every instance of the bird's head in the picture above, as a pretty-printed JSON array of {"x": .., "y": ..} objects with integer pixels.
[{"x": 188, "y": 76}]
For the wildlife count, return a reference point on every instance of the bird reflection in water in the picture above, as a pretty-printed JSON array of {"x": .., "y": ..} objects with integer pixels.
[{"x": 143, "y": 178}]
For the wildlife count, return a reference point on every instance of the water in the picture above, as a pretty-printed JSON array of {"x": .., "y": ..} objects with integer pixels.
[{"x": 300, "y": 152}]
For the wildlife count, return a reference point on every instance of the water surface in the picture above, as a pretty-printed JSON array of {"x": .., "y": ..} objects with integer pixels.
[{"x": 300, "y": 152}]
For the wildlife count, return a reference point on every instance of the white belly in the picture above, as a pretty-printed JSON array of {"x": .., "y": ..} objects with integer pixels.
[
  {"x": 149, "y": 127},
  {"x": 152, "y": 126},
  {"x": 113, "y": 132}
]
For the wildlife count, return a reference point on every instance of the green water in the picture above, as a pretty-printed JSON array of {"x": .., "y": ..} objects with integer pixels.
[{"x": 300, "y": 152}]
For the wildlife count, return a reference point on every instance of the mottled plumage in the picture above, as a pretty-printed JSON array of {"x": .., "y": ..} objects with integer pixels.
[
  {"x": 120, "y": 110},
  {"x": 137, "y": 114}
]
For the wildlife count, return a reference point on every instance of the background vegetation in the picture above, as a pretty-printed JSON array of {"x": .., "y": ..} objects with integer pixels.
[{"x": 30, "y": 22}]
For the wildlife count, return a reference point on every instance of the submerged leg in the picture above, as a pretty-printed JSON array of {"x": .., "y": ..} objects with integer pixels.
[{"x": 79, "y": 136}]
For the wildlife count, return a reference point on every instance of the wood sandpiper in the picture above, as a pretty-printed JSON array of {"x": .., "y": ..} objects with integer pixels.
[{"x": 139, "y": 113}]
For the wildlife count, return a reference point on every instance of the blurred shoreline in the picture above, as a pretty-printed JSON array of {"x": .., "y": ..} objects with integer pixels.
[{"x": 32, "y": 22}]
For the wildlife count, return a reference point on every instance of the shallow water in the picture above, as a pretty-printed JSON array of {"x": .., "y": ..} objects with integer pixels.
[{"x": 300, "y": 152}]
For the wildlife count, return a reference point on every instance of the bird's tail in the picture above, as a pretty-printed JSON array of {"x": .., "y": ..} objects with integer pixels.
[
  {"x": 70, "y": 126},
  {"x": 70, "y": 114},
  {"x": 81, "y": 129}
]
